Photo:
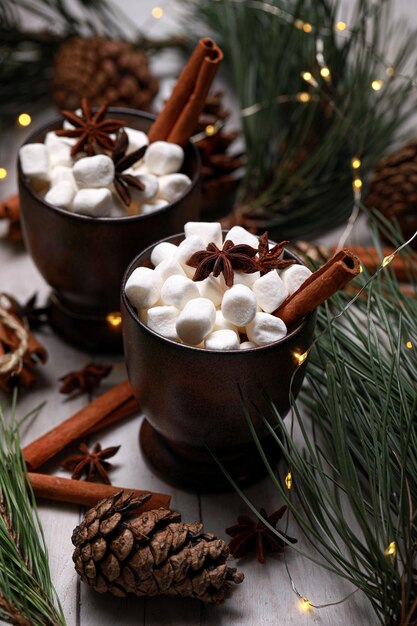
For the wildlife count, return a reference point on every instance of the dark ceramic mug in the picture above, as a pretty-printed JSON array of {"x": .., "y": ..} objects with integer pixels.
[
  {"x": 83, "y": 258},
  {"x": 191, "y": 396}
]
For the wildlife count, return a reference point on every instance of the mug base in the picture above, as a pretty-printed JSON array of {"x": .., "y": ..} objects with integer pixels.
[
  {"x": 196, "y": 470},
  {"x": 100, "y": 333}
]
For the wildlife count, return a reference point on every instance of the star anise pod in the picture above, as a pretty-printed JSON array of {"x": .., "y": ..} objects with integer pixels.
[
  {"x": 123, "y": 161},
  {"x": 230, "y": 257},
  {"x": 249, "y": 535},
  {"x": 91, "y": 129},
  {"x": 35, "y": 316},
  {"x": 91, "y": 463},
  {"x": 271, "y": 259},
  {"x": 85, "y": 379}
]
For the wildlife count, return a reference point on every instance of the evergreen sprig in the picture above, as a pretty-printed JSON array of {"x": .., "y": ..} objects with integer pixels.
[
  {"x": 298, "y": 173},
  {"x": 27, "y": 595},
  {"x": 359, "y": 454}
]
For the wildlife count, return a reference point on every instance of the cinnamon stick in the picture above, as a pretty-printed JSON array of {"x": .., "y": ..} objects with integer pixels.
[
  {"x": 86, "y": 493},
  {"x": 321, "y": 285},
  {"x": 370, "y": 258},
  {"x": 124, "y": 410},
  {"x": 179, "y": 117},
  {"x": 48, "y": 445},
  {"x": 10, "y": 208}
]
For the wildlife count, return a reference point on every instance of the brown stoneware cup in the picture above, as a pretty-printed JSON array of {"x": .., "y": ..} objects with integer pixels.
[
  {"x": 83, "y": 258},
  {"x": 192, "y": 397}
]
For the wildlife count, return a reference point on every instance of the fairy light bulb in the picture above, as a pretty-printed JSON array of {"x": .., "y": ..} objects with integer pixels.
[
  {"x": 305, "y": 604},
  {"x": 377, "y": 84},
  {"x": 307, "y": 76},
  {"x": 288, "y": 481},
  {"x": 391, "y": 550},
  {"x": 386, "y": 260},
  {"x": 299, "y": 24},
  {"x": 210, "y": 130},
  {"x": 325, "y": 73},
  {"x": 357, "y": 184},
  {"x": 356, "y": 163},
  {"x": 360, "y": 269},
  {"x": 300, "y": 357},
  {"x": 307, "y": 28},
  {"x": 114, "y": 319},
  {"x": 3, "y": 173},
  {"x": 24, "y": 119},
  {"x": 157, "y": 13},
  {"x": 340, "y": 26},
  {"x": 303, "y": 96},
  {"x": 390, "y": 71},
  {"x": 409, "y": 345}
]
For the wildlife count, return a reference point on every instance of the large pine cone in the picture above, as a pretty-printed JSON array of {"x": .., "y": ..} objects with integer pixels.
[
  {"x": 393, "y": 188},
  {"x": 150, "y": 553},
  {"x": 104, "y": 72}
]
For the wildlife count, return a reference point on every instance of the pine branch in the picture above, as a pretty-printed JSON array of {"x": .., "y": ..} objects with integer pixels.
[{"x": 27, "y": 595}]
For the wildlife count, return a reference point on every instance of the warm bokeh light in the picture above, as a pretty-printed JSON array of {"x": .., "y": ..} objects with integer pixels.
[
  {"x": 300, "y": 357},
  {"x": 307, "y": 76},
  {"x": 114, "y": 319},
  {"x": 3, "y": 173},
  {"x": 303, "y": 96},
  {"x": 391, "y": 551},
  {"x": 386, "y": 260},
  {"x": 390, "y": 71},
  {"x": 24, "y": 119},
  {"x": 325, "y": 72},
  {"x": 356, "y": 163},
  {"x": 340, "y": 26},
  {"x": 157, "y": 12},
  {"x": 307, "y": 28},
  {"x": 210, "y": 130},
  {"x": 288, "y": 480},
  {"x": 409, "y": 345},
  {"x": 357, "y": 183},
  {"x": 377, "y": 84},
  {"x": 305, "y": 604}
]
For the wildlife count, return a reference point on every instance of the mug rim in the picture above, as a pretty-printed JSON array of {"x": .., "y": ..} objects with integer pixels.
[
  {"x": 132, "y": 311},
  {"x": 104, "y": 219}
]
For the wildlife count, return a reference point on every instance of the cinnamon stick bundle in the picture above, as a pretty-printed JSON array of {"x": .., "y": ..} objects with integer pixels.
[
  {"x": 179, "y": 117},
  {"x": 82, "y": 492},
  {"x": 119, "y": 398},
  {"x": 321, "y": 285}
]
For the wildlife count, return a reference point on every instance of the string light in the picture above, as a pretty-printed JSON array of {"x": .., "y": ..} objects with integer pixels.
[
  {"x": 303, "y": 96},
  {"x": 340, "y": 26},
  {"x": 3, "y": 173},
  {"x": 299, "y": 24},
  {"x": 307, "y": 28},
  {"x": 210, "y": 130},
  {"x": 305, "y": 604},
  {"x": 391, "y": 551},
  {"x": 157, "y": 13},
  {"x": 409, "y": 345},
  {"x": 114, "y": 319},
  {"x": 288, "y": 481},
  {"x": 357, "y": 183},
  {"x": 386, "y": 260},
  {"x": 360, "y": 269},
  {"x": 390, "y": 71},
  {"x": 325, "y": 73},
  {"x": 356, "y": 163},
  {"x": 300, "y": 357},
  {"x": 377, "y": 84},
  {"x": 307, "y": 76},
  {"x": 24, "y": 119}
]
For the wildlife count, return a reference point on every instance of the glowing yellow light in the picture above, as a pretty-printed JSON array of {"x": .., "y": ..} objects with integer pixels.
[
  {"x": 409, "y": 345},
  {"x": 360, "y": 269},
  {"x": 391, "y": 550},
  {"x": 303, "y": 96},
  {"x": 288, "y": 480},
  {"x": 210, "y": 130},
  {"x": 357, "y": 183},
  {"x": 386, "y": 260},
  {"x": 356, "y": 163},
  {"x": 390, "y": 71},
  {"x": 24, "y": 119},
  {"x": 307, "y": 76},
  {"x": 341, "y": 26},
  {"x": 3, "y": 173},
  {"x": 114, "y": 319},
  {"x": 299, "y": 24},
  {"x": 300, "y": 357},
  {"x": 157, "y": 13},
  {"x": 307, "y": 28},
  {"x": 305, "y": 604},
  {"x": 377, "y": 84},
  {"x": 325, "y": 72}
]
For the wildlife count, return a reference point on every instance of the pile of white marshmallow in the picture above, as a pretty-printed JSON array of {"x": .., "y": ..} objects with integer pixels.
[
  {"x": 207, "y": 313},
  {"x": 84, "y": 184}
]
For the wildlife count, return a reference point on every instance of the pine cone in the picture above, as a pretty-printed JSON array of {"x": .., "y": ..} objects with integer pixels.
[
  {"x": 150, "y": 553},
  {"x": 219, "y": 168},
  {"x": 393, "y": 188},
  {"x": 104, "y": 72}
]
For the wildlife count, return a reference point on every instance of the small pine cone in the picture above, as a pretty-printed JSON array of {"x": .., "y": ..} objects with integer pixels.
[
  {"x": 104, "y": 72},
  {"x": 150, "y": 553},
  {"x": 393, "y": 188}
]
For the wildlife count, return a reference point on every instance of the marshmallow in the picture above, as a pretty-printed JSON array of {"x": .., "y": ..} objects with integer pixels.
[
  {"x": 137, "y": 139},
  {"x": 238, "y": 234},
  {"x": 98, "y": 202},
  {"x": 186, "y": 249},
  {"x": 239, "y": 305},
  {"x": 52, "y": 138},
  {"x": 167, "y": 268},
  {"x": 247, "y": 345},
  {"x": 151, "y": 188},
  {"x": 196, "y": 321},
  {"x": 270, "y": 291},
  {"x": 163, "y": 251},
  {"x": 172, "y": 186},
  {"x": 62, "y": 173},
  {"x": 95, "y": 171},
  {"x": 139, "y": 168},
  {"x": 239, "y": 278},
  {"x": 178, "y": 290},
  {"x": 211, "y": 288},
  {"x": 143, "y": 287},
  {"x": 152, "y": 206},
  {"x": 60, "y": 154},
  {"x": 207, "y": 231},
  {"x": 294, "y": 276},
  {"x": 34, "y": 160},
  {"x": 221, "y": 323},
  {"x": 61, "y": 195},
  {"x": 162, "y": 319},
  {"x": 164, "y": 158},
  {"x": 222, "y": 340},
  {"x": 265, "y": 329}
]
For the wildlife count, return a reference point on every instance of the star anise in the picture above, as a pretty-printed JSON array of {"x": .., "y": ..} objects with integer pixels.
[
  {"x": 271, "y": 259},
  {"x": 35, "y": 316},
  {"x": 230, "y": 257},
  {"x": 123, "y": 161},
  {"x": 85, "y": 379},
  {"x": 91, "y": 463},
  {"x": 251, "y": 535},
  {"x": 91, "y": 129}
]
